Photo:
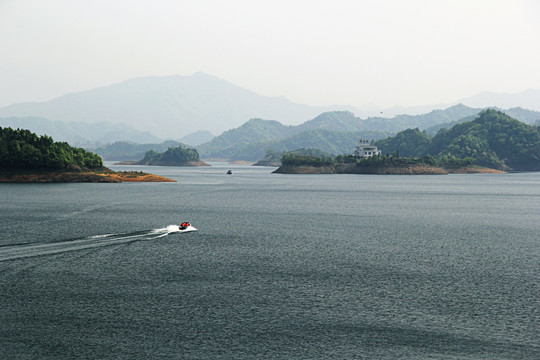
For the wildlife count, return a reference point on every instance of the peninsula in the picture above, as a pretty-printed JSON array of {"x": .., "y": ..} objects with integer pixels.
[{"x": 26, "y": 157}]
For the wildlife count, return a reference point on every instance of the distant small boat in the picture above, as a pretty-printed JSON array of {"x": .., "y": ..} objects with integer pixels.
[{"x": 229, "y": 172}]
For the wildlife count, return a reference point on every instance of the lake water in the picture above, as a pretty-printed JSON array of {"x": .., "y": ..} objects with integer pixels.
[{"x": 282, "y": 267}]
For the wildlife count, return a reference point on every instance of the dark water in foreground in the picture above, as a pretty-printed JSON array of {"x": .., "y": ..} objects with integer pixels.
[{"x": 283, "y": 266}]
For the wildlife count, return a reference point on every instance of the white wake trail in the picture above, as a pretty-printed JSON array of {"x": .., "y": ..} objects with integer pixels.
[{"x": 10, "y": 252}]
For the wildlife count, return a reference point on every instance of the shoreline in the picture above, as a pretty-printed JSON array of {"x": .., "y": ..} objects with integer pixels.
[
  {"x": 399, "y": 170},
  {"x": 104, "y": 175}
]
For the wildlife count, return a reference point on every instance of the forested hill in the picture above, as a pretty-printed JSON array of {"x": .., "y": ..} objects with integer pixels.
[
  {"x": 22, "y": 149},
  {"x": 494, "y": 139},
  {"x": 176, "y": 156}
]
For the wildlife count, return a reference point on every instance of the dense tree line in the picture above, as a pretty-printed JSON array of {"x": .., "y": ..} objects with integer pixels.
[
  {"x": 173, "y": 156},
  {"x": 395, "y": 160},
  {"x": 22, "y": 149},
  {"x": 309, "y": 156}
]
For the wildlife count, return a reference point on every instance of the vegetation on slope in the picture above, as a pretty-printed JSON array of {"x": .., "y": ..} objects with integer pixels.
[
  {"x": 493, "y": 139},
  {"x": 235, "y": 140},
  {"x": 22, "y": 149}
]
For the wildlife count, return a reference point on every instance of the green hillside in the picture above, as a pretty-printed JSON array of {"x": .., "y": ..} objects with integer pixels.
[
  {"x": 410, "y": 142},
  {"x": 494, "y": 139},
  {"x": 253, "y": 131},
  {"x": 23, "y": 149}
]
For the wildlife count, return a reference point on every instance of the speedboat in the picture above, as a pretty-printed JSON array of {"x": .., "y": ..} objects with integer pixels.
[{"x": 186, "y": 227}]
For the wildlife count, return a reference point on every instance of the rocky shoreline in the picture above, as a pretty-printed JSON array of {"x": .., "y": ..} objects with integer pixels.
[
  {"x": 383, "y": 170},
  {"x": 88, "y": 176}
]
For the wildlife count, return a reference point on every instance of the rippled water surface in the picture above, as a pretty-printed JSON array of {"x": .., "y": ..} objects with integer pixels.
[{"x": 283, "y": 266}]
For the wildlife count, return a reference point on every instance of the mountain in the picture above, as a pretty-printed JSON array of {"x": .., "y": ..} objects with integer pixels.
[
  {"x": 197, "y": 138},
  {"x": 528, "y": 99},
  {"x": 253, "y": 131},
  {"x": 169, "y": 107},
  {"x": 346, "y": 121},
  {"x": 527, "y": 116},
  {"x": 400, "y": 122},
  {"x": 335, "y": 120},
  {"x": 79, "y": 134},
  {"x": 493, "y": 138}
]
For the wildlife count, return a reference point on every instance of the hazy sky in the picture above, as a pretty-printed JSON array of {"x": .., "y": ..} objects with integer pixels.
[{"x": 314, "y": 52}]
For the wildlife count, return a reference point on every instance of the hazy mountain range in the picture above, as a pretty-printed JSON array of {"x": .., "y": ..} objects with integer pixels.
[
  {"x": 334, "y": 132},
  {"x": 173, "y": 107},
  {"x": 170, "y": 107},
  {"x": 80, "y": 134}
]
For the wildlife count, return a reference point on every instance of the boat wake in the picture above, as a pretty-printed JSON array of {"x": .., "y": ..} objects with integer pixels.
[{"x": 16, "y": 251}]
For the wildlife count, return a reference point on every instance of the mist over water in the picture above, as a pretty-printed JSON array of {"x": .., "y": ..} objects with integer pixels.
[{"x": 283, "y": 266}]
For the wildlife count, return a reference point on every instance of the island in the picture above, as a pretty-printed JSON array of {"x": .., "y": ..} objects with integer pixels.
[
  {"x": 26, "y": 157},
  {"x": 491, "y": 143},
  {"x": 174, "y": 156},
  {"x": 377, "y": 164}
]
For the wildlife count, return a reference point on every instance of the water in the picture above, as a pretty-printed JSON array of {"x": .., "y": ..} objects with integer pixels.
[{"x": 283, "y": 266}]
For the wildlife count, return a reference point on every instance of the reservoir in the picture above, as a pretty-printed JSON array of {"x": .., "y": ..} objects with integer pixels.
[{"x": 281, "y": 267}]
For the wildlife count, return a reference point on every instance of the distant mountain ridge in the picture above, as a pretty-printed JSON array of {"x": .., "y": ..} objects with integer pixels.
[
  {"x": 528, "y": 99},
  {"x": 170, "y": 106},
  {"x": 333, "y": 132},
  {"x": 79, "y": 134}
]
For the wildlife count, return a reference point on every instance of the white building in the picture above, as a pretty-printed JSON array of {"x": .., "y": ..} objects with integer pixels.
[{"x": 365, "y": 150}]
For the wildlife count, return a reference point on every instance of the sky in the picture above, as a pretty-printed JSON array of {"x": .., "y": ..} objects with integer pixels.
[{"x": 366, "y": 54}]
